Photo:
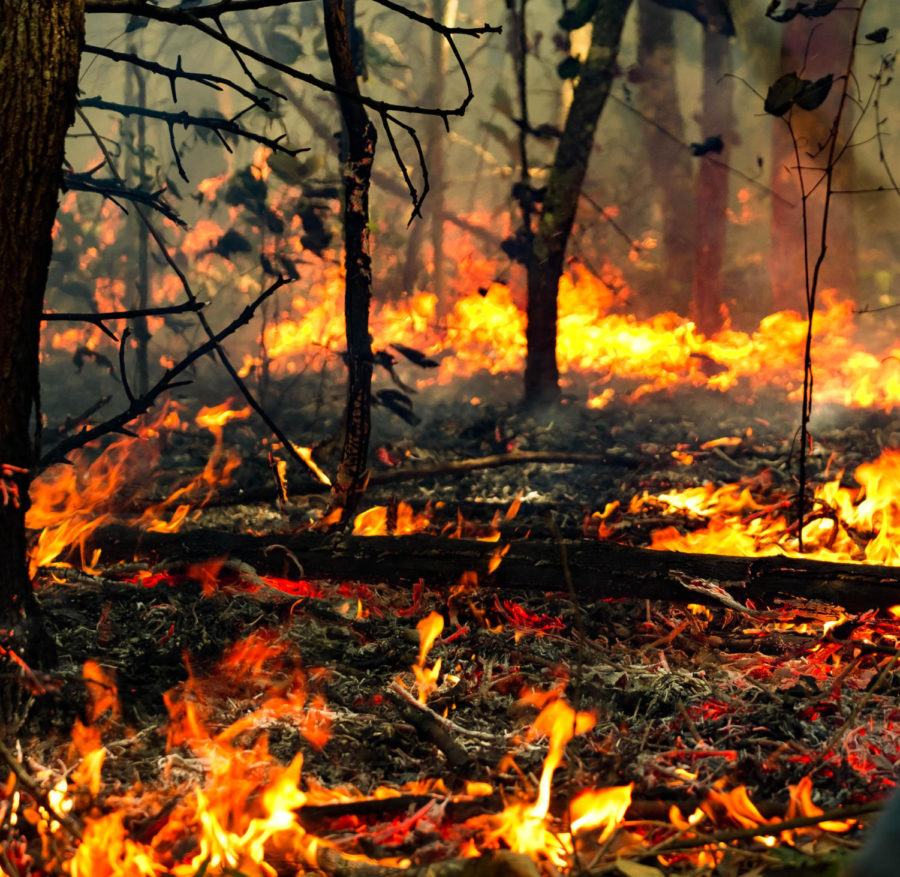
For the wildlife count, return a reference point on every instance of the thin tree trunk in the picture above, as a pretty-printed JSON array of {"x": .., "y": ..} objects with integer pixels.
[
  {"x": 669, "y": 163},
  {"x": 712, "y": 185},
  {"x": 141, "y": 330},
  {"x": 563, "y": 189},
  {"x": 40, "y": 47},
  {"x": 359, "y": 147}
]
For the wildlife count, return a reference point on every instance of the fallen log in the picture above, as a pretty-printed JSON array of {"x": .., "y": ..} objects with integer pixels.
[{"x": 598, "y": 569}]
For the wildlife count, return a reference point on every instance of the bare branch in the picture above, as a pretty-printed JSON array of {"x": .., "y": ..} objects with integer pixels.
[
  {"x": 216, "y": 124},
  {"x": 173, "y": 74},
  {"x": 141, "y": 404},
  {"x": 115, "y": 189},
  {"x": 97, "y": 318},
  {"x": 192, "y": 18}
]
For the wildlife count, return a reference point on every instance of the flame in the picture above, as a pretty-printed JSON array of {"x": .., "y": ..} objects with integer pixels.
[
  {"x": 525, "y": 827},
  {"x": 429, "y": 629},
  {"x": 70, "y": 502},
  {"x": 852, "y": 525}
]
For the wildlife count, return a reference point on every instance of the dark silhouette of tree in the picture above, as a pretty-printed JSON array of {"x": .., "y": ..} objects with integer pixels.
[
  {"x": 670, "y": 164},
  {"x": 567, "y": 173},
  {"x": 40, "y": 48},
  {"x": 717, "y": 123}
]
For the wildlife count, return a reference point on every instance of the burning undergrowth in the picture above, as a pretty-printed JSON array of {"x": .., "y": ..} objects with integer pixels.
[
  {"x": 269, "y": 733},
  {"x": 236, "y": 716},
  {"x": 222, "y": 709}
]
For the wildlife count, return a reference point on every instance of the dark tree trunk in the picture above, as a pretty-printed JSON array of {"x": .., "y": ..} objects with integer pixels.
[
  {"x": 712, "y": 185},
  {"x": 563, "y": 190},
  {"x": 812, "y": 56},
  {"x": 359, "y": 149},
  {"x": 670, "y": 165},
  {"x": 40, "y": 47}
]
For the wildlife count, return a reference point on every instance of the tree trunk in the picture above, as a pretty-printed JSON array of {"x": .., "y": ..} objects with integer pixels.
[
  {"x": 563, "y": 189},
  {"x": 712, "y": 185},
  {"x": 669, "y": 163},
  {"x": 40, "y": 47},
  {"x": 359, "y": 147}
]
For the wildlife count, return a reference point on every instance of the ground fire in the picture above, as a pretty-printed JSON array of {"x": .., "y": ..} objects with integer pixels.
[{"x": 439, "y": 503}]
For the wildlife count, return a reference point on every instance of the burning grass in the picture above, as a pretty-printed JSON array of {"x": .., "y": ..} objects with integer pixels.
[{"x": 265, "y": 734}]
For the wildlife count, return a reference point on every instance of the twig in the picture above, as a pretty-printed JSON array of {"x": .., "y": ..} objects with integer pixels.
[
  {"x": 516, "y": 458},
  {"x": 36, "y": 792},
  {"x": 216, "y": 124},
  {"x": 767, "y": 829},
  {"x": 99, "y": 318},
  {"x": 173, "y": 74},
  {"x": 398, "y": 689},
  {"x": 114, "y": 189}
]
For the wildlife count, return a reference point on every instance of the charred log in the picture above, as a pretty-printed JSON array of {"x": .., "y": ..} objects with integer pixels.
[{"x": 598, "y": 569}]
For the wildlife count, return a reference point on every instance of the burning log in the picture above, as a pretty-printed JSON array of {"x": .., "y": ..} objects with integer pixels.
[{"x": 598, "y": 569}]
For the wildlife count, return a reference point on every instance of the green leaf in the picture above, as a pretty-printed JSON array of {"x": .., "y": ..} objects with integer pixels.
[
  {"x": 569, "y": 67},
  {"x": 497, "y": 132},
  {"x": 501, "y": 101},
  {"x": 378, "y": 57},
  {"x": 287, "y": 168},
  {"x": 579, "y": 15}
]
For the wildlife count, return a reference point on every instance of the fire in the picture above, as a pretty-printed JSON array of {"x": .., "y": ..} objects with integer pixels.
[
  {"x": 71, "y": 502},
  {"x": 426, "y": 679},
  {"x": 858, "y": 525},
  {"x": 525, "y": 827}
]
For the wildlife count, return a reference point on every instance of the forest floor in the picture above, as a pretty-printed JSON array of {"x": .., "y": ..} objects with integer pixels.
[{"x": 691, "y": 704}]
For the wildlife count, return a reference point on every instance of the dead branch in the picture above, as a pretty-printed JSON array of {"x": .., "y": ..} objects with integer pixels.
[
  {"x": 141, "y": 404},
  {"x": 98, "y": 319},
  {"x": 173, "y": 74},
  {"x": 40, "y": 796},
  {"x": 219, "y": 125},
  {"x": 850, "y": 811},
  {"x": 495, "y": 461}
]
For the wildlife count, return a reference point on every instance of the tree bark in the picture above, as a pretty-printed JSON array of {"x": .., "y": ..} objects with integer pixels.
[
  {"x": 40, "y": 47},
  {"x": 567, "y": 175},
  {"x": 669, "y": 163},
  {"x": 712, "y": 185},
  {"x": 359, "y": 147}
]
